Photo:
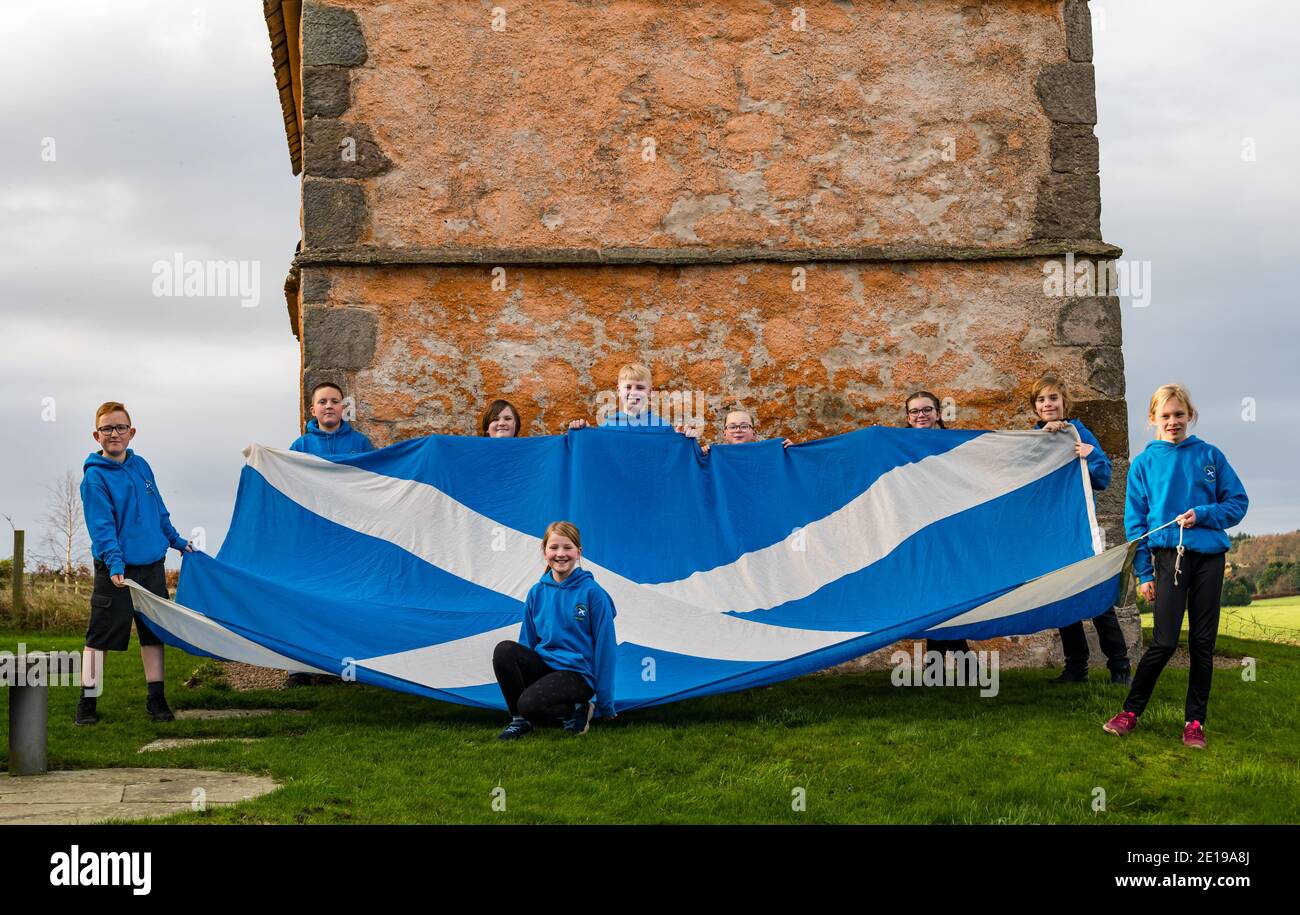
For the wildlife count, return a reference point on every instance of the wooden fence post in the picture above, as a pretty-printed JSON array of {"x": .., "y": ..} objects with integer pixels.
[{"x": 19, "y": 609}]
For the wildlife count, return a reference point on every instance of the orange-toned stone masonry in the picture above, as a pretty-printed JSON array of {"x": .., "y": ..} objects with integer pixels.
[
  {"x": 643, "y": 179},
  {"x": 910, "y": 121},
  {"x": 763, "y": 135}
]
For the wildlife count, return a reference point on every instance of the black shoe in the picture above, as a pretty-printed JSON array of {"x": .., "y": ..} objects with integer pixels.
[
  {"x": 1071, "y": 676},
  {"x": 518, "y": 727},
  {"x": 158, "y": 709},
  {"x": 580, "y": 719},
  {"x": 298, "y": 679},
  {"x": 86, "y": 711},
  {"x": 1122, "y": 678}
]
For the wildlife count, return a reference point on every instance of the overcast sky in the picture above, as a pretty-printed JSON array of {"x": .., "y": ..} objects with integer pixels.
[{"x": 167, "y": 138}]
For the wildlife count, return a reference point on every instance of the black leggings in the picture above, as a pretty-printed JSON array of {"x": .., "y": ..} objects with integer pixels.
[
  {"x": 532, "y": 688},
  {"x": 1199, "y": 588}
]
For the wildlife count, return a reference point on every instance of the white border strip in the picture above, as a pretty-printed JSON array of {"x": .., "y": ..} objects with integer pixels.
[{"x": 201, "y": 632}]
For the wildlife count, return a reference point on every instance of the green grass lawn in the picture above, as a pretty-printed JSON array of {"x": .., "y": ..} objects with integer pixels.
[{"x": 863, "y": 750}]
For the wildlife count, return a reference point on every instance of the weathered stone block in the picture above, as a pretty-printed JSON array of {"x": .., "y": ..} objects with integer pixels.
[
  {"x": 1068, "y": 93},
  {"x": 1108, "y": 420},
  {"x": 333, "y": 212},
  {"x": 315, "y": 285},
  {"x": 1074, "y": 149},
  {"x": 1106, "y": 370},
  {"x": 1078, "y": 30},
  {"x": 331, "y": 36},
  {"x": 1089, "y": 321},
  {"x": 336, "y": 149},
  {"x": 326, "y": 91},
  {"x": 338, "y": 338},
  {"x": 1069, "y": 206}
]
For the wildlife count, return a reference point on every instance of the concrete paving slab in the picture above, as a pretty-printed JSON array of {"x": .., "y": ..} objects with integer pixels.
[
  {"x": 177, "y": 743},
  {"x": 94, "y": 795},
  {"x": 211, "y": 714}
]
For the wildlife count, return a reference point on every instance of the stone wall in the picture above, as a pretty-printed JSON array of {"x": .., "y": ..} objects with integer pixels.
[{"x": 812, "y": 222}]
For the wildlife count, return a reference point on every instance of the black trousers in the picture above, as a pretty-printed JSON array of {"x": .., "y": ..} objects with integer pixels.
[
  {"x": 1075, "y": 642},
  {"x": 532, "y": 688},
  {"x": 1200, "y": 585},
  {"x": 943, "y": 646}
]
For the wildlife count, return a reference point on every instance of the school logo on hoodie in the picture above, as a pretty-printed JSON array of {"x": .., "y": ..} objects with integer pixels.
[
  {"x": 580, "y": 614},
  {"x": 1209, "y": 472}
]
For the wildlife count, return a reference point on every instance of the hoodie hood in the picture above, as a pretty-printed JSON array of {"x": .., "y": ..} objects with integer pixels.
[
  {"x": 576, "y": 577},
  {"x": 96, "y": 459},
  {"x": 1157, "y": 446},
  {"x": 342, "y": 441},
  {"x": 313, "y": 428}
]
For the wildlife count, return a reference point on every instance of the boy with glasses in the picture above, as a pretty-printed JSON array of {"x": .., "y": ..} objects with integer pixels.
[
  {"x": 130, "y": 531},
  {"x": 738, "y": 429}
]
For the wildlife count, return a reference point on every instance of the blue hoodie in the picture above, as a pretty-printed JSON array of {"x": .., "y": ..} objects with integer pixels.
[
  {"x": 571, "y": 625},
  {"x": 1098, "y": 463},
  {"x": 125, "y": 514},
  {"x": 344, "y": 440},
  {"x": 1166, "y": 480},
  {"x": 641, "y": 422}
]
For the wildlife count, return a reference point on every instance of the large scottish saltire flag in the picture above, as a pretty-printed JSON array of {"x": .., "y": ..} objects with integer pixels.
[{"x": 731, "y": 570}]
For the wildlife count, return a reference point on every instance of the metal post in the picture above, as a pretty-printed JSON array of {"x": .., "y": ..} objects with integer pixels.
[{"x": 29, "y": 718}]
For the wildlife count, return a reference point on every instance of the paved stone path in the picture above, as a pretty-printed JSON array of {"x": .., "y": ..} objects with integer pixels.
[
  {"x": 176, "y": 743},
  {"x": 208, "y": 714},
  {"x": 93, "y": 795}
]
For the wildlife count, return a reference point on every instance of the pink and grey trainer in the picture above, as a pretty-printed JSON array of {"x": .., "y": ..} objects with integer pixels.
[
  {"x": 1193, "y": 735},
  {"x": 1121, "y": 724}
]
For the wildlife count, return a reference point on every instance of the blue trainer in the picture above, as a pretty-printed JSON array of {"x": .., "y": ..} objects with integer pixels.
[{"x": 518, "y": 727}]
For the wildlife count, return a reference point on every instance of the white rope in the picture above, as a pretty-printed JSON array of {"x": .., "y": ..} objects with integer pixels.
[{"x": 1178, "y": 560}]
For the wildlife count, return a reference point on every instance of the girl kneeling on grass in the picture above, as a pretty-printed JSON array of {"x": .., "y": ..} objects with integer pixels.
[
  {"x": 1179, "y": 475},
  {"x": 566, "y": 651}
]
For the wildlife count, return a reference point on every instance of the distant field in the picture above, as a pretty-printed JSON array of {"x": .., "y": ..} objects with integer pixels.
[
  {"x": 1277, "y": 618},
  {"x": 1274, "y": 620}
]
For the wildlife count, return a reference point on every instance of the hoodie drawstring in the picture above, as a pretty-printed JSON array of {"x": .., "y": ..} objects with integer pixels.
[{"x": 1178, "y": 560}]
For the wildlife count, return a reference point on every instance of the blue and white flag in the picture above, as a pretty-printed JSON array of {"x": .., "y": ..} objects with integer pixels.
[{"x": 405, "y": 566}]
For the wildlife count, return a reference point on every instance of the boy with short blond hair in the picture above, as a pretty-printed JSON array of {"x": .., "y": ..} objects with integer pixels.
[
  {"x": 130, "y": 531},
  {"x": 635, "y": 389}
]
